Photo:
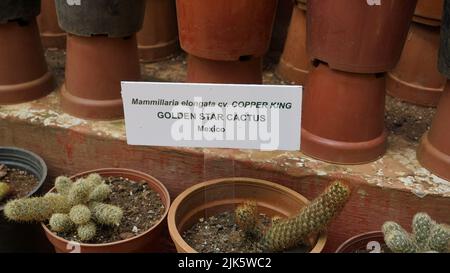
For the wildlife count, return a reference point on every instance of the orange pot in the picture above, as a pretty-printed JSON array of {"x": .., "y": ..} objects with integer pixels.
[
  {"x": 95, "y": 67},
  {"x": 225, "y": 30},
  {"x": 434, "y": 149},
  {"x": 158, "y": 38},
  {"x": 416, "y": 78},
  {"x": 217, "y": 196},
  {"x": 51, "y": 34},
  {"x": 343, "y": 116},
  {"x": 357, "y": 37},
  {"x": 145, "y": 242},
  {"x": 24, "y": 75},
  {"x": 238, "y": 72},
  {"x": 295, "y": 64},
  {"x": 429, "y": 12}
]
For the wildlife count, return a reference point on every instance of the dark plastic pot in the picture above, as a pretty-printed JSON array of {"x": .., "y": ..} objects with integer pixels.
[
  {"x": 444, "y": 50},
  {"x": 16, "y": 237},
  {"x": 295, "y": 64},
  {"x": 226, "y": 30},
  {"x": 19, "y": 9},
  {"x": 238, "y": 72},
  {"x": 95, "y": 67},
  {"x": 343, "y": 116},
  {"x": 24, "y": 75},
  {"x": 220, "y": 195},
  {"x": 429, "y": 12},
  {"x": 118, "y": 18},
  {"x": 358, "y": 37},
  {"x": 52, "y": 35},
  {"x": 158, "y": 39},
  {"x": 416, "y": 78},
  {"x": 434, "y": 150},
  {"x": 362, "y": 242},
  {"x": 145, "y": 242}
]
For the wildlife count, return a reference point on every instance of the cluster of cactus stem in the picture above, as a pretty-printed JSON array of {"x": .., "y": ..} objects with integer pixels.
[
  {"x": 5, "y": 190},
  {"x": 284, "y": 234},
  {"x": 75, "y": 205},
  {"x": 427, "y": 236}
]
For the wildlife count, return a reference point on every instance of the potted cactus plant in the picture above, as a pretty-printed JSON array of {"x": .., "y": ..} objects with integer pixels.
[
  {"x": 249, "y": 215},
  {"x": 94, "y": 211}
]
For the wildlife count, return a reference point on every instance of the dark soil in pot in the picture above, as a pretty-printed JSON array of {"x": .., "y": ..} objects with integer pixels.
[
  {"x": 142, "y": 209},
  {"x": 221, "y": 234},
  {"x": 21, "y": 182}
]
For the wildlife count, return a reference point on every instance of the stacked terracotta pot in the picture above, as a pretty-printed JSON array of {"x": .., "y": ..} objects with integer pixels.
[
  {"x": 416, "y": 78},
  {"x": 101, "y": 52},
  {"x": 53, "y": 37},
  {"x": 158, "y": 38},
  {"x": 352, "y": 45},
  {"x": 225, "y": 39},
  {"x": 294, "y": 63},
  {"x": 24, "y": 75},
  {"x": 434, "y": 150}
]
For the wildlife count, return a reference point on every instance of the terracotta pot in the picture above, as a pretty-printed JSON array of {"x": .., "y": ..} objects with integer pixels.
[
  {"x": 434, "y": 150},
  {"x": 238, "y": 72},
  {"x": 23, "y": 70},
  {"x": 362, "y": 242},
  {"x": 225, "y": 30},
  {"x": 416, "y": 78},
  {"x": 281, "y": 25},
  {"x": 118, "y": 18},
  {"x": 343, "y": 116},
  {"x": 217, "y": 196},
  {"x": 158, "y": 39},
  {"x": 295, "y": 64},
  {"x": 95, "y": 67},
  {"x": 429, "y": 12},
  {"x": 357, "y": 37},
  {"x": 142, "y": 243},
  {"x": 52, "y": 35},
  {"x": 19, "y": 10},
  {"x": 444, "y": 50}
]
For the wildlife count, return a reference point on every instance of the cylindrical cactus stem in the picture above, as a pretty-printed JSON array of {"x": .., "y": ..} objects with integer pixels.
[
  {"x": 94, "y": 180},
  {"x": 246, "y": 216},
  {"x": 106, "y": 214},
  {"x": 36, "y": 209},
  {"x": 63, "y": 185},
  {"x": 5, "y": 190},
  {"x": 79, "y": 192},
  {"x": 60, "y": 222},
  {"x": 401, "y": 242},
  {"x": 313, "y": 218},
  {"x": 439, "y": 239},
  {"x": 87, "y": 232},
  {"x": 422, "y": 226},
  {"x": 100, "y": 193},
  {"x": 80, "y": 214},
  {"x": 390, "y": 226}
]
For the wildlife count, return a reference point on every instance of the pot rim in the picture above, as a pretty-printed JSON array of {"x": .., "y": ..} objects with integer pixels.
[
  {"x": 357, "y": 238},
  {"x": 148, "y": 178},
  {"x": 41, "y": 162},
  {"x": 176, "y": 236}
]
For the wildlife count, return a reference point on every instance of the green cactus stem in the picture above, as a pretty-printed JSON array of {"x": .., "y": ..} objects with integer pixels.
[
  {"x": 87, "y": 232},
  {"x": 100, "y": 193},
  {"x": 439, "y": 239},
  {"x": 79, "y": 192},
  {"x": 63, "y": 185},
  {"x": 60, "y": 222},
  {"x": 80, "y": 214},
  {"x": 422, "y": 226},
  {"x": 5, "y": 190},
  {"x": 106, "y": 214},
  {"x": 401, "y": 242},
  {"x": 246, "y": 216}
]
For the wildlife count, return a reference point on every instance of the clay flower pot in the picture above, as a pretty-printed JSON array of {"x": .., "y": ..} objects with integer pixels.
[
  {"x": 20, "y": 48},
  {"x": 15, "y": 237},
  {"x": 343, "y": 116},
  {"x": 225, "y": 30},
  {"x": 416, "y": 78},
  {"x": 158, "y": 38},
  {"x": 295, "y": 64},
  {"x": 142, "y": 243},
  {"x": 52, "y": 35},
  {"x": 281, "y": 25},
  {"x": 95, "y": 66},
  {"x": 429, "y": 12},
  {"x": 233, "y": 72},
  {"x": 101, "y": 52},
  {"x": 217, "y": 196},
  {"x": 369, "y": 241},
  {"x": 434, "y": 149},
  {"x": 358, "y": 37}
]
